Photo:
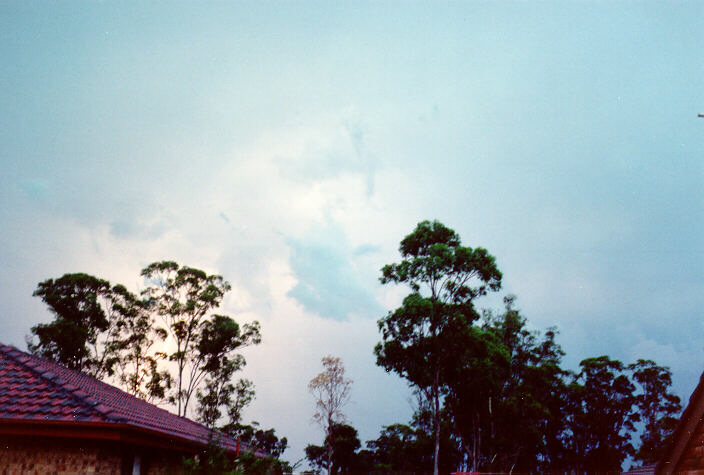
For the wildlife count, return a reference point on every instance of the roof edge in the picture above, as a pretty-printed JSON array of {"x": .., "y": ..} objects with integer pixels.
[
  {"x": 688, "y": 423},
  {"x": 124, "y": 432}
]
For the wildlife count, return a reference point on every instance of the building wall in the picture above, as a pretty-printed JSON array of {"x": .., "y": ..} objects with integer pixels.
[
  {"x": 692, "y": 460},
  {"x": 25, "y": 455},
  {"x": 42, "y": 455}
]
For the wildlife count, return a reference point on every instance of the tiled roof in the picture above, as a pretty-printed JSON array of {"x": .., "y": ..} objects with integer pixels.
[
  {"x": 32, "y": 388},
  {"x": 644, "y": 470}
]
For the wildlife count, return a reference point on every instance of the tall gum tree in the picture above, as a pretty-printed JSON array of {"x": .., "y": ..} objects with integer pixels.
[
  {"x": 184, "y": 298},
  {"x": 445, "y": 278}
]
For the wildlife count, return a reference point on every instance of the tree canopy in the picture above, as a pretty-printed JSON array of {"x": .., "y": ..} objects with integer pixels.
[
  {"x": 84, "y": 327},
  {"x": 420, "y": 338},
  {"x": 492, "y": 394}
]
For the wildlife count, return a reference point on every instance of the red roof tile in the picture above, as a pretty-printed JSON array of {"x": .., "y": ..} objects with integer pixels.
[{"x": 33, "y": 388}]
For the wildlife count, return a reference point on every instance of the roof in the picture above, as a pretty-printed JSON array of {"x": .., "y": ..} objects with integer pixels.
[
  {"x": 644, "y": 470},
  {"x": 37, "y": 391},
  {"x": 686, "y": 428}
]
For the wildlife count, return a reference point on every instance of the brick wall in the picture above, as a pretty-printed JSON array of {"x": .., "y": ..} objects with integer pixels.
[
  {"x": 25, "y": 455},
  {"x": 48, "y": 455}
]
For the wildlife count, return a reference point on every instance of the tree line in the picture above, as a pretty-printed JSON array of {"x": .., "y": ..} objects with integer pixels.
[
  {"x": 166, "y": 345},
  {"x": 492, "y": 394}
]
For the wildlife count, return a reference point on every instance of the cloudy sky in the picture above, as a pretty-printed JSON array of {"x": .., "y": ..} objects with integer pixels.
[{"x": 290, "y": 147}]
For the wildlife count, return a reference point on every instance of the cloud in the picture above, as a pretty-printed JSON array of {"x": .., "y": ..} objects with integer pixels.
[
  {"x": 38, "y": 189},
  {"x": 365, "y": 249},
  {"x": 330, "y": 153},
  {"x": 135, "y": 226},
  {"x": 291, "y": 160},
  {"x": 354, "y": 129},
  {"x": 328, "y": 284}
]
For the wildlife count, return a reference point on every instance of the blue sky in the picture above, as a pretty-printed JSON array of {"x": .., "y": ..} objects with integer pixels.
[{"x": 290, "y": 146}]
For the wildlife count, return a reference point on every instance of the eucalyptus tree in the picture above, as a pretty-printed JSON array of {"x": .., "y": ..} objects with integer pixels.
[
  {"x": 84, "y": 330},
  {"x": 418, "y": 338},
  {"x": 601, "y": 416},
  {"x": 184, "y": 297},
  {"x": 658, "y": 409},
  {"x": 508, "y": 373},
  {"x": 136, "y": 357},
  {"x": 216, "y": 362}
]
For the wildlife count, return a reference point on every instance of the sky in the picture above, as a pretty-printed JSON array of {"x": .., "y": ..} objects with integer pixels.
[{"x": 290, "y": 146}]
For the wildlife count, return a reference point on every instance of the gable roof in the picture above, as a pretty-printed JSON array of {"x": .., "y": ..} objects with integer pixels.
[
  {"x": 686, "y": 430},
  {"x": 37, "y": 392}
]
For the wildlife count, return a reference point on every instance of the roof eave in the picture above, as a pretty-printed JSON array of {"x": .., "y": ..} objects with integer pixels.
[
  {"x": 686, "y": 427},
  {"x": 122, "y": 432}
]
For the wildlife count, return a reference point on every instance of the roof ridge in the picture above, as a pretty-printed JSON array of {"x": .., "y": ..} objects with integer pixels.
[{"x": 76, "y": 393}]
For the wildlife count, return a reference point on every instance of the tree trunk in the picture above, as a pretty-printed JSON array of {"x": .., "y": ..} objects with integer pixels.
[
  {"x": 436, "y": 419},
  {"x": 474, "y": 444},
  {"x": 328, "y": 442}
]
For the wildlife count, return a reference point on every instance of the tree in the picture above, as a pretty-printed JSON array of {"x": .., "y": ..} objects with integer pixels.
[
  {"x": 84, "y": 328},
  {"x": 221, "y": 393},
  {"x": 244, "y": 394},
  {"x": 317, "y": 456},
  {"x": 266, "y": 441},
  {"x": 397, "y": 449},
  {"x": 418, "y": 337},
  {"x": 184, "y": 297},
  {"x": 342, "y": 442},
  {"x": 216, "y": 361},
  {"x": 410, "y": 448},
  {"x": 657, "y": 407},
  {"x": 601, "y": 416},
  {"x": 136, "y": 363},
  {"x": 331, "y": 391},
  {"x": 508, "y": 374}
]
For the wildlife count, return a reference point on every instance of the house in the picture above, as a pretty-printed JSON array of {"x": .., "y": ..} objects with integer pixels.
[
  {"x": 686, "y": 453},
  {"x": 57, "y": 420}
]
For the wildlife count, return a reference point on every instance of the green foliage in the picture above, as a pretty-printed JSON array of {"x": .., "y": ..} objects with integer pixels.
[
  {"x": 108, "y": 331},
  {"x": 183, "y": 297},
  {"x": 265, "y": 441},
  {"x": 102, "y": 331},
  {"x": 339, "y": 452},
  {"x": 344, "y": 442},
  {"x": 399, "y": 448},
  {"x": 420, "y": 338},
  {"x": 402, "y": 448},
  {"x": 212, "y": 460},
  {"x": 81, "y": 305},
  {"x": 136, "y": 362},
  {"x": 317, "y": 456},
  {"x": 601, "y": 416},
  {"x": 506, "y": 374},
  {"x": 248, "y": 463},
  {"x": 509, "y": 406},
  {"x": 220, "y": 337},
  {"x": 658, "y": 409},
  {"x": 219, "y": 392}
]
